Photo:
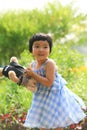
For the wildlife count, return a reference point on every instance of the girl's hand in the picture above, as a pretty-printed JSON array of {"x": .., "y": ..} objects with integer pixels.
[{"x": 29, "y": 71}]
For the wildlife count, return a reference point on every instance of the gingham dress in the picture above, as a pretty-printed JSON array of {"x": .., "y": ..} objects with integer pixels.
[{"x": 55, "y": 106}]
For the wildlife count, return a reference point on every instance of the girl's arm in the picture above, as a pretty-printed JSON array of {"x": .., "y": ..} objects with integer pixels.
[{"x": 50, "y": 73}]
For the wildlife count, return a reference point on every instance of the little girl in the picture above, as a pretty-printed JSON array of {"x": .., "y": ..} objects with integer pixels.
[{"x": 54, "y": 106}]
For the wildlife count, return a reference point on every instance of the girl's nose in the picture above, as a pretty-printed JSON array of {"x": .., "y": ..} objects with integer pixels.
[{"x": 41, "y": 49}]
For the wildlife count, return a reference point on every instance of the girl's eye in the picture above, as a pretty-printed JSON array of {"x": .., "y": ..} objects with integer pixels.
[
  {"x": 46, "y": 47},
  {"x": 36, "y": 46}
]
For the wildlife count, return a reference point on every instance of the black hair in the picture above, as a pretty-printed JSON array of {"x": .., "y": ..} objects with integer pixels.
[{"x": 38, "y": 37}]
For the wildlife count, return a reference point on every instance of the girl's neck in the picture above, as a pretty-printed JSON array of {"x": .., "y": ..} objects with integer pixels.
[{"x": 39, "y": 63}]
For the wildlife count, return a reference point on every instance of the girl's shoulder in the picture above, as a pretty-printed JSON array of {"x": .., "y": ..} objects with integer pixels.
[{"x": 51, "y": 63}]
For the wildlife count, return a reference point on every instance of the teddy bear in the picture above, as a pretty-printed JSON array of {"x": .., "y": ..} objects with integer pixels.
[{"x": 17, "y": 74}]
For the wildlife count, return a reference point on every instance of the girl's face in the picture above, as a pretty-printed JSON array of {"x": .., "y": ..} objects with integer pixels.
[{"x": 41, "y": 50}]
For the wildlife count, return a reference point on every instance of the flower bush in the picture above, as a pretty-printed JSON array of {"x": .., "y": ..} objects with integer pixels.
[{"x": 12, "y": 121}]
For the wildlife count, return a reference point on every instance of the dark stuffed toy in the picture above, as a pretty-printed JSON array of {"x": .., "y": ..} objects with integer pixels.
[{"x": 16, "y": 73}]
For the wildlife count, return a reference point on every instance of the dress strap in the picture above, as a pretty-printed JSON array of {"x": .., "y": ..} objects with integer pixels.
[
  {"x": 45, "y": 63},
  {"x": 34, "y": 63}
]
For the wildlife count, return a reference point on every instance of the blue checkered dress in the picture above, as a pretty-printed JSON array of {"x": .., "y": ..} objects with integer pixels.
[{"x": 54, "y": 107}]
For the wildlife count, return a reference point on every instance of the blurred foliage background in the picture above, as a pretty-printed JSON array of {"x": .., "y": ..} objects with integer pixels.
[
  {"x": 69, "y": 31},
  {"x": 62, "y": 22}
]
